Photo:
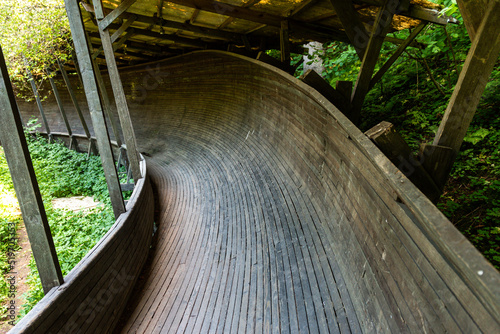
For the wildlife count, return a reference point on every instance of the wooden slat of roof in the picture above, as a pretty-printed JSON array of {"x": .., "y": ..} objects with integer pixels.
[{"x": 196, "y": 24}]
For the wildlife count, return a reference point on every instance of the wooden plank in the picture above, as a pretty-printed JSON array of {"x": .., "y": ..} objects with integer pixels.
[
  {"x": 344, "y": 88},
  {"x": 314, "y": 80},
  {"x": 472, "y": 81},
  {"x": 285, "y": 43},
  {"x": 73, "y": 98},
  {"x": 61, "y": 108},
  {"x": 352, "y": 24},
  {"x": 402, "y": 47},
  {"x": 105, "y": 99},
  {"x": 37, "y": 99},
  {"x": 25, "y": 184},
  {"x": 437, "y": 161},
  {"x": 104, "y": 22},
  {"x": 429, "y": 15},
  {"x": 121, "y": 101},
  {"x": 390, "y": 142},
  {"x": 95, "y": 107},
  {"x": 123, "y": 28},
  {"x": 472, "y": 13},
  {"x": 379, "y": 31}
]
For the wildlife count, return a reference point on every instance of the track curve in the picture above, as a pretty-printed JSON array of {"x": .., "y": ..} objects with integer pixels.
[{"x": 276, "y": 214}]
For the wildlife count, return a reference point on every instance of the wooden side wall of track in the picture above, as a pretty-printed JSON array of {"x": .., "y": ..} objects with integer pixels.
[
  {"x": 405, "y": 266},
  {"x": 96, "y": 291}
]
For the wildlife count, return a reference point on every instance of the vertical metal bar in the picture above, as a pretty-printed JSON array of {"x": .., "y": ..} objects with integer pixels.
[
  {"x": 25, "y": 184},
  {"x": 94, "y": 103},
  {"x": 121, "y": 101},
  {"x": 37, "y": 98}
]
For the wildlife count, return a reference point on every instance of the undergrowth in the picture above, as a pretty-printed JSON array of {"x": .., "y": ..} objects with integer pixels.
[{"x": 64, "y": 173}]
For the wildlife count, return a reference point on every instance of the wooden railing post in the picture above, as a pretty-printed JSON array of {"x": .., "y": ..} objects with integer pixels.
[
  {"x": 95, "y": 106},
  {"x": 25, "y": 184},
  {"x": 116, "y": 83}
]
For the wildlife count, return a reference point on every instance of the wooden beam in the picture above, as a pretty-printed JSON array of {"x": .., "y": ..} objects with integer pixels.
[
  {"x": 171, "y": 37},
  {"x": 25, "y": 184},
  {"x": 297, "y": 29},
  {"x": 105, "y": 98},
  {"x": 390, "y": 142},
  {"x": 379, "y": 31},
  {"x": 402, "y": 47},
  {"x": 314, "y": 80},
  {"x": 38, "y": 100},
  {"x": 265, "y": 58},
  {"x": 123, "y": 28},
  {"x": 302, "y": 7},
  {"x": 285, "y": 43},
  {"x": 95, "y": 107},
  {"x": 122, "y": 40},
  {"x": 104, "y": 22},
  {"x": 61, "y": 108},
  {"x": 472, "y": 14},
  {"x": 438, "y": 162},
  {"x": 121, "y": 100},
  {"x": 74, "y": 99},
  {"x": 352, "y": 24},
  {"x": 429, "y": 15},
  {"x": 472, "y": 81},
  {"x": 230, "y": 19}
]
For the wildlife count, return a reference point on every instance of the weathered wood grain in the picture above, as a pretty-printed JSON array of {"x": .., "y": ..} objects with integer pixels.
[{"x": 276, "y": 214}]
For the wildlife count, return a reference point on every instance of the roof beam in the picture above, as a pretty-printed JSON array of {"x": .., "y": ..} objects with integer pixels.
[
  {"x": 380, "y": 28},
  {"x": 302, "y": 7},
  {"x": 352, "y": 24},
  {"x": 123, "y": 28},
  {"x": 396, "y": 54},
  {"x": 106, "y": 21}
]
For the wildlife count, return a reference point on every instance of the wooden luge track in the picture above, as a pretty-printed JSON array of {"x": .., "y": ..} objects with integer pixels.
[{"x": 276, "y": 214}]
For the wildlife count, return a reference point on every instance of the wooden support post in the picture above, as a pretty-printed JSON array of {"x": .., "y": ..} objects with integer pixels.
[
  {"x": 352, "y": 24},
  {"x": 72, "y": 140},
  {"x": 314, "y": 80},
  {"x": 38, "y": 100},
  {"x": 396, "y": 55},
  {"x": 77, "y": 68},
  {"x": 344, "y": 88},
  {"x": 390, "y": 142},
  {"x": 285, "y": 43},
  {"x": 94, "y": 102},
  {"x": 265, "y": 58},
  {"x": 25, "y": 184},
  {"x": 73, "y": 98},
  {"x": 380, "y": 28},
  {"x": 471, "y": 84},
  {"x": 105, "y": 98},
  {"x": 473, "y": 13},
  {"x": 120, "y": 98},
  {"x": 437, "y": 161},
  {"x": 123, "y": 28},
  {"x": 104, "y": 22}
]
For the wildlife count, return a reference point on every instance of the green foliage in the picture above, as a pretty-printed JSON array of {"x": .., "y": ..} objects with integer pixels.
[
  {"x": 37, "y": 30},
  {"x": 61, "y": 173},
  {"x": 413, "y": 95}
]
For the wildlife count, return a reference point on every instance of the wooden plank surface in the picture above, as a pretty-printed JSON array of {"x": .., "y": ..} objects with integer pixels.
[{"x": 275, "y": 214}]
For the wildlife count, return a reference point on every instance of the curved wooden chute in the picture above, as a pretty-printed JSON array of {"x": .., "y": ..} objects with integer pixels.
[{"x": 276, "y": 214}]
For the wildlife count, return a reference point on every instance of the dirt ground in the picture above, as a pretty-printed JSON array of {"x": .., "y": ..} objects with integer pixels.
[{"x": 21, "y": 271}]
